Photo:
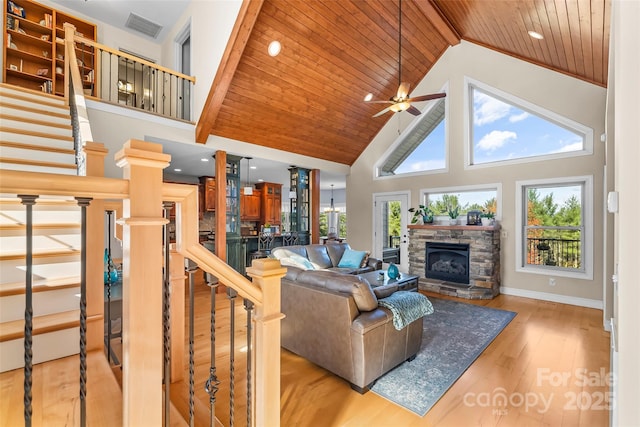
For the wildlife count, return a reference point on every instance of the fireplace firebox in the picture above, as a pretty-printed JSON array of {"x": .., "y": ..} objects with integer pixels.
[{"x": 447, "y": 261}]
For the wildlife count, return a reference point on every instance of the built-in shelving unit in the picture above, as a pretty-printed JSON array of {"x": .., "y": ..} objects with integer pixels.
[
  {"x": 34, "y": 47},
  {"x": 301, "y": 203}
]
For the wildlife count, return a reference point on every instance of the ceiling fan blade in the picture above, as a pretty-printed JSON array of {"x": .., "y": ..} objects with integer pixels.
[
  {"x": 427, "y": 97},
  {"x": 403, "y": 90},
  {"x": 413, "y": 110},
  {"x": 379, "y": 102},
  {"x": 383, "y": 111}
]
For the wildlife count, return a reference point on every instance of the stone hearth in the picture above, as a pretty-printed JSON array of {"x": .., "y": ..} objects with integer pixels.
[{"x": 484, "y": 258}]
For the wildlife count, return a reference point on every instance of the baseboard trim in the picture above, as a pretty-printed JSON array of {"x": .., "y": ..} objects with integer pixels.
[{"x": 545, "y": 296}]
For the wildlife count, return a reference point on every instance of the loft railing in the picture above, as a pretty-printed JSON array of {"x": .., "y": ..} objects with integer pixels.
[
  {"x": 127, "y": 80},
  {"x": 148, "y": 313}
]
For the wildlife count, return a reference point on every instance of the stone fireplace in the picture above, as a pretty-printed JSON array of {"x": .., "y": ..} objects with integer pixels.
[{"x": 458, "y": 260}]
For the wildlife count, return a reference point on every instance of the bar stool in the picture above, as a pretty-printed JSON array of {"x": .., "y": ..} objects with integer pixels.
[
  {"x": 290, "y": 238},
  {"x": 265, "y": 243}
]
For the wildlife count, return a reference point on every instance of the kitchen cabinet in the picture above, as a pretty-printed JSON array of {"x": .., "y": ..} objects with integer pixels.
[
  {"x": 208, "y": 189},
  {"x": 250, "y": 205},
  {"x": 271, "y": 203}
]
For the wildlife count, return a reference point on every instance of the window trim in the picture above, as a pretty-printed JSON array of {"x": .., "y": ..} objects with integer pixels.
[
  {"x": 555, "y": 118},
  {"x": 407, "y": 130},
  {"x": 497, "y": 186},
  {"x": 587, "y": 248}
]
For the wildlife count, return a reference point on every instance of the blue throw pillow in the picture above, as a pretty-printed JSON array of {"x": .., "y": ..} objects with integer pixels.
[{"x": 351, "y": 258}]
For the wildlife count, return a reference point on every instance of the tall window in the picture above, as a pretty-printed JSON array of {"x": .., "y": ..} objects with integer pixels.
[
  {"x": 555, "y": 226},
  {"x": 421, "y": 147},
  {"x": 504, "y": 128}
]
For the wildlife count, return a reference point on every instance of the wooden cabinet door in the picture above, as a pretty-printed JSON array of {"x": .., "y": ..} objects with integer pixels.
[{"x": 209, "y": 193}]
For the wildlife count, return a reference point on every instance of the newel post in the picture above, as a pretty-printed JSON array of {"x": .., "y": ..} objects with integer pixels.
[
  {"x": 142, "y": 221},
  {"x": 94, "y": 154},
  {"x": 177, "y": 277},
  {"x": 266, "y": 273}
]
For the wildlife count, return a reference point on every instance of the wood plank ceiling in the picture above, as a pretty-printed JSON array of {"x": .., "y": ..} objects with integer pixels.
[{"x": 309, "y": 99}]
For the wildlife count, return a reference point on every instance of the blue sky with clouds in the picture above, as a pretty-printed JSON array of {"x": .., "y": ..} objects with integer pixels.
[{"x": 500, "y": 132}]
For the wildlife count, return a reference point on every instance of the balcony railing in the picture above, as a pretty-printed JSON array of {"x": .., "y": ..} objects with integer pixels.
[
  {"x": 124, "y": 79},
  {"x": 554, "y": 252}
]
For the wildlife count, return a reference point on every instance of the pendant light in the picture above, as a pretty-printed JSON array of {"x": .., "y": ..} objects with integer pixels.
[{"x": 248, "y": 189}]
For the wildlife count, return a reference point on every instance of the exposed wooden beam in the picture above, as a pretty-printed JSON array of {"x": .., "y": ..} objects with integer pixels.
[
  {"x": 230, "y": 59},
  {"x": 439, "y": 21}
]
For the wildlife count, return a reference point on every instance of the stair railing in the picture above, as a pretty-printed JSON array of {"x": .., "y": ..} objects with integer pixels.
[{"x": 142, "y": 332}]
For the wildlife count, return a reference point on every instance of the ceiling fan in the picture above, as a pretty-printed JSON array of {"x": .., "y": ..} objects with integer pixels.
[{"x": 401, "y": 101}]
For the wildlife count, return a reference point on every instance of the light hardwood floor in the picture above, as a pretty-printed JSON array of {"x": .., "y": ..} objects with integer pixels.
[{"x": 554, "y": 355}]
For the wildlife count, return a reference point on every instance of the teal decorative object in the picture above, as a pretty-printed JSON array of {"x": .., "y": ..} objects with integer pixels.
[
  {"x": 110, "y": 271},
  {"x": 393, "y": 271}
]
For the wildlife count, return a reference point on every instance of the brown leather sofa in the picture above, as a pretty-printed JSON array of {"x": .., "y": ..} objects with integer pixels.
[
  {"x": 325, "y": 257},
  {"x": 334, "y": 321}
]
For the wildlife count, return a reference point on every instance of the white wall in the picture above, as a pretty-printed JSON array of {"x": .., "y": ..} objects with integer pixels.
[
  {"x": 626, "y": 29},
  {"x": 572, "y": 98},
  {"x": 211, "y": 24}
]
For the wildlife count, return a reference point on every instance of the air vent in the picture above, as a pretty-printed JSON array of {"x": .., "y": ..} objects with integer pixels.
[{"x": 143, "y": 25}]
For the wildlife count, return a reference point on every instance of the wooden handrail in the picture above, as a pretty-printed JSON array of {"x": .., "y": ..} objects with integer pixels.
[
  {"x": 51, "y": 184},
  {"x": 137, "y": 59},
  {"x": 187, "y": 244}
]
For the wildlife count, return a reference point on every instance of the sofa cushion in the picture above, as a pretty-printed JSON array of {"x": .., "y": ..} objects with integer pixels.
[
  {"x": 362, "y": 294},
  {"x": 318, "y": 256},
  {"x": 336, "y": 250},
  {"x": 351, "y": 258}
]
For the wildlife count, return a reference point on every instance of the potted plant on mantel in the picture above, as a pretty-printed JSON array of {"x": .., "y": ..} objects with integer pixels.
[
  {"x": 487, "y": 218},
  {"x": 453, "y": 214},
  {"x": 422, "y": 215}
]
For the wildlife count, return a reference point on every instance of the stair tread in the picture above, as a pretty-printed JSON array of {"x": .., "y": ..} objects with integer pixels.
[
  {"x": 37, "y": 163},
  {"x": 42, "y": 285},
  {"x": 36, "y": 122},
  {"x": 26, "y": 146},
  {"x": 36, "y": 133},
  {"x": 40, "y": 254},
  {"x": 32, "y": 95},
  {"x": 41, "y": 324},
  {"x": 8, "y": 104}
]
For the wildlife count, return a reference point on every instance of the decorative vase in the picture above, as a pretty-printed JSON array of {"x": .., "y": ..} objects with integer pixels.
[
  {"x": 393, "y": 271},
  {"x": 453, "y": 221},
  {"x": 427, "y": 219},
  {"x": 485, "y": 222}
]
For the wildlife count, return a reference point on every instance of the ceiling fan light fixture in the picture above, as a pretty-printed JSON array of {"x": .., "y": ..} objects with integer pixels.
[
  {"x": 535, "y": 35},
  {"x": 400, "y": 106},
  {"x": 368, "y": 97},
  {"x": 274, "y": 48}
]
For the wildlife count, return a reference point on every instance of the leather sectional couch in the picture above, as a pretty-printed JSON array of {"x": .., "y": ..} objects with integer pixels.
[{"x": 333, "y": 320}]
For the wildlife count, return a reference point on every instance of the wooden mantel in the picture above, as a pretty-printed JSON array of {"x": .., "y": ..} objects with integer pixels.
[{"x": 453, "y": 227}]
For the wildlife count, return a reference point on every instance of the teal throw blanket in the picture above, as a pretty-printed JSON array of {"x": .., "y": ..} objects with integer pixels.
[{"x": 406, "y": 307}]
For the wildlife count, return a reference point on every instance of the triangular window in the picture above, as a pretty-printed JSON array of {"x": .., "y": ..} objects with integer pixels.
[{"x": 422, "y": 147}]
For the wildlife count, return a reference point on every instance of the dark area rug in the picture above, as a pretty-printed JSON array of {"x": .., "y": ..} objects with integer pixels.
[{"x": 452, "y": 338}]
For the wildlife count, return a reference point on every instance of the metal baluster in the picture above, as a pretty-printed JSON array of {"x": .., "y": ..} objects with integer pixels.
[
  {"x": 28, "y": 201},
  {"x": 248, "y": 306},
  {"x": 109, "y": 214},
  {"x": 192, "y": 267},
  {"x": 83, "y": 202},
  {"x": 232, "y": 294},
  {"x": 166, "y": 318},
  {"x": 211, "y": 386}
]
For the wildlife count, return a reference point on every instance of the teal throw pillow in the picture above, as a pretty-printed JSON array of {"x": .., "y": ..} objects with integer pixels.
[{"x": 351, "y": 258}]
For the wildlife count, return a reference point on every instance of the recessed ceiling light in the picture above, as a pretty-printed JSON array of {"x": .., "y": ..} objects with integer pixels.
[
  {"x": 535, "y": 35},
  {"x": 252, "y": 167},
  {"x": 274, "y": 48},
  {"x": 368, "y": 97},
  {"x": 204, "y": 159},
  {"x": 261, "y": 180},
  {"x": 177, "y": 170}
]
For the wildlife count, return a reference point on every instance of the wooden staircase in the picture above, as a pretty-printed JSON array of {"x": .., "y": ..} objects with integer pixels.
[{"x": 36, "y": 135}]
